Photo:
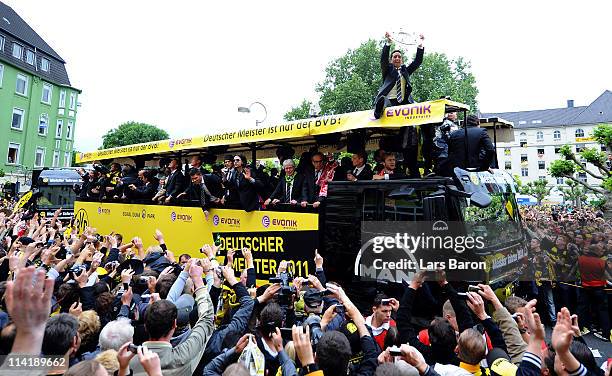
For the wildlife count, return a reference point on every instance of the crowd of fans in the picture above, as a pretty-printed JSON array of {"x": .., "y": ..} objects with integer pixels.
[
  {"x": 110, "y": 305},
  {"x": 571, "y": 259}
]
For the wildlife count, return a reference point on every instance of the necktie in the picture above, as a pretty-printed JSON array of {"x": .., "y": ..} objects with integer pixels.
[
  {"x": 288, "y": 192},
  {"x": 398, "y": 86},
  {"x": 203, "y": 192},
  {"x": 356, "y": 172}
]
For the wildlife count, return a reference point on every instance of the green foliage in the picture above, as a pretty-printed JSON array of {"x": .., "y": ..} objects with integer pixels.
[
  {"x": 574, "y": 192},
  {"x": 562, "y": 168},
  {"x": 301, "y": 111},
  {"x": 603, "y": 135},
  {"x": 566, "y": 151},
  {"x": 349, "y": 96},
  {"x": 132, "y": 133},
  {"x": 440, "y": 76},
  {"x": 607, "y": 184},
  {"x": 599, "y": 202},
  {"x": 537, "y": 189},
  {"x": 352, "y": 81},
  {"x": 594, "y": 156},
  {"x": 518, "y": 181},
  {"x": 1, "y": 173},
  {"x": 494, "y": 212}
]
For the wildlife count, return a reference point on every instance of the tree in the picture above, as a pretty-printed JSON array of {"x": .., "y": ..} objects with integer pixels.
[
  {"x": 132, "y": 133},
  {"x": 573, "y": 193},
  {"x": 571, "y": 164},
  {"x": 352, "y": 81},
  {"x": 301, "y": 111},
  {"x": 1, "y": 173},
  {"x": 537, "y": 189}
]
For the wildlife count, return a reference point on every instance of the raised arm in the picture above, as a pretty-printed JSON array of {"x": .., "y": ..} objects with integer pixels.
[
  {"x": 384, "y": 56},
  {"x": 418, "y": 60}
]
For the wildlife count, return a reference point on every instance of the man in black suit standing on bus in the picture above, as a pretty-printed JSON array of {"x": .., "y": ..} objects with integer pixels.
[{"x": 396, "y": 88}]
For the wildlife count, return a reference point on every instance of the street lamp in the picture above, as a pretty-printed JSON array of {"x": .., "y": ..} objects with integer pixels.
[{"x": 248, "y": 110}]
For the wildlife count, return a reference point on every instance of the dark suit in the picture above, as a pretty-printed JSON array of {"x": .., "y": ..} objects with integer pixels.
[
  {"x": 365, "y": 174},
  {"x": 390, "y": 75},
  {"x": 174, "y": 183},
  {"x": 245, "y": 190},
  {"x": 213, "y": 182},
  {"x": 480, "y": 149},
  {"x": 145, "y": 193},
  {"x": 298, "y": 191},
  {"x": 195, "y": 195}
]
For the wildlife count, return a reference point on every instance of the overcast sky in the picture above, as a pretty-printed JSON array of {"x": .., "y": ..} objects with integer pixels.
[{"x": 186, "y": 66}]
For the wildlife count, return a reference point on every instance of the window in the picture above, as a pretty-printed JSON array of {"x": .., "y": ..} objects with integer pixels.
[
  {"x": 522, "y": 122},
  {"x": 45, "y": 64},
  {"x": 524, "y": 171},
  {"x": 39, "y": 157},
  {"x": 60, "y": 125},
  {"x": 541, "y": 165},
  {"x": 1, "y": 74},
  {"x": 21, "y": 84},
  {"x": 508, "y": 165},
  {"x": 542, "y": 178},
  {"x": 523, "y": 158},
  {"x": 560, "y": 181},
  {"x": 540, "y": 136},
  {"x": 557, "y": 135},
  {"x": 582, "y": 176},
  {"x": 68, "y": 145},
  {"x": 62, "y": 101},
  {"x": 30, "y": 57},
  {"x": 69, "y": 129},
  {"x": 67, "y": 161},
  {"x": 47, "y": 91},
  {"x": 17, "y": 122},
  {"x": 557, "y": 150},
  {"x": 72, "y": 101},
  {"x": 604, "y": 148},
  {"x": 523, "y": 139},
  {"x": 536, "y": 122},
  {"x": 56, "y": 158},
  {"x": 43, "y": 124},
  {"x": 579, "y": 133},
  {"x": 540, "y": 152},
  {"x": 1, "y": 43},
  {"x": 13, "y": 153},
  {"x": 579, "y": 147},
  {"x": 17, "y": 51},
  {"x": 58, "y": 144},
  {"x": 507, "y": 151}
]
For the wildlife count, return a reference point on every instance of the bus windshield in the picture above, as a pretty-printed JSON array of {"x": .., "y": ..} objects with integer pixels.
[
  {"x": 53, "y": 196},
  {"x": 498, "y": 223}
]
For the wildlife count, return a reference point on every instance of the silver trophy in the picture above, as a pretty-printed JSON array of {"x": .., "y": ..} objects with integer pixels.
[{"x": 405, "y": 38}]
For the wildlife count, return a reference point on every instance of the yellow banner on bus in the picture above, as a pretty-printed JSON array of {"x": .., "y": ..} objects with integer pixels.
[
  {"x": 272, "y": 236},
  {"x": 393, "y": 117}
]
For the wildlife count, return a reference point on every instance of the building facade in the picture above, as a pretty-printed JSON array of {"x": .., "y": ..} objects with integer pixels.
[
  {"x": 38, "y": 104},
  {"x": 539, "y": 134}
]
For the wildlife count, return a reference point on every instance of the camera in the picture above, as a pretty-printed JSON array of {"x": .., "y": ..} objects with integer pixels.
[
  {"x": 395, "y": 351},
  {"x": 77, "y": 268},
  {"x": 286, "y": 290},
  {"x": 472, "y": 288}
]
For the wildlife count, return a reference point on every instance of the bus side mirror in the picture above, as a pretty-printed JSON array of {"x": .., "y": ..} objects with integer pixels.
[{"x": 480, "y": 199}]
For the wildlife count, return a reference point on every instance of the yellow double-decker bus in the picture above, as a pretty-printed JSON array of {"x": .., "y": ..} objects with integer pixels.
[{"x": 337, "y": 229}]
